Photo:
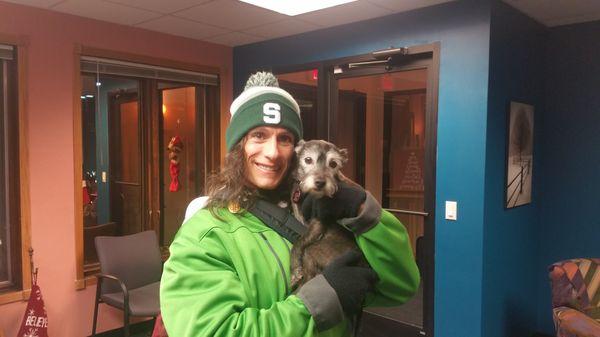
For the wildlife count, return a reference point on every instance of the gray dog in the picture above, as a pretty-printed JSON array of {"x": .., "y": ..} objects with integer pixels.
[{"x": 318, "y": 173}]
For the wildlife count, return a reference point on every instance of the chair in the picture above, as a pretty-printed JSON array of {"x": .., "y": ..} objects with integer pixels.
[
  {"x": 129, "y": 279},
  {"x": 576, "y": 297},
  {"x": 90, "y": 233}
]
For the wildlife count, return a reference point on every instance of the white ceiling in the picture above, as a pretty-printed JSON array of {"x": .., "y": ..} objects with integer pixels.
[
  {"x": 228, "y": 22},
  {"x": 234, "y": 23}
]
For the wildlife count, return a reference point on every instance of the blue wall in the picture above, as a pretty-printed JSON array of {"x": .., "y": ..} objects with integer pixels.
[
  {"x": 463, "y": 29},
  {"x": 510, "y": 270},
  {"x": 570, "y": 226}
]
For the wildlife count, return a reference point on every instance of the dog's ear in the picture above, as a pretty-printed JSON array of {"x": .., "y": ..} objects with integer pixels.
[
  {"x": 299, "y": 146},
  {"x": 343, "y": 155}
]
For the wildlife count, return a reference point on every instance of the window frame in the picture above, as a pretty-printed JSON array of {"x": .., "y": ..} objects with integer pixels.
[
  {"x": 21, "y": 209},
  {"x": 84, "y": 279}
]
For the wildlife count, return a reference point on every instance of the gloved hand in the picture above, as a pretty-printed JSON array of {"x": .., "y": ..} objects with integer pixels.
[
  {"x": 350, "y": 282},
  {"x": 345, "y": 203}
]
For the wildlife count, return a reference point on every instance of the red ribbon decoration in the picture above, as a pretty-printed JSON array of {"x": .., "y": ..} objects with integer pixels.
[{"x": 175, "y": 146}]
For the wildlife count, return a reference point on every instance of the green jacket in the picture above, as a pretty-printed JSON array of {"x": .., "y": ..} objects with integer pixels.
[{"x": 231, "y": 278}]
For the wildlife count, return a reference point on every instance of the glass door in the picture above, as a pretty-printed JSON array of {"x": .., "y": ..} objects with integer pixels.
[
  {"x": 302, "y": 85},
  {"x": 380, "y": 117},
  {"x": 181, "y": 176},
  {"x": 125, "y": 158},
  {"x": 382, "y": 108},
  {"x": 147, "y": 147}
]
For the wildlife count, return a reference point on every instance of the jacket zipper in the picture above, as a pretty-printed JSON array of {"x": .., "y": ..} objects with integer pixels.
[{"x": 287, "y": 290}]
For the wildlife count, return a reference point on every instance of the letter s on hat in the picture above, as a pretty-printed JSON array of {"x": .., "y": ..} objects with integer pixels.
[{"x": 272, "y": 113}]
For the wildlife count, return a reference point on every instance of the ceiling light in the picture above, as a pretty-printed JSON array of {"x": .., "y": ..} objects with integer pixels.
[{"x": 295, "y": 7}]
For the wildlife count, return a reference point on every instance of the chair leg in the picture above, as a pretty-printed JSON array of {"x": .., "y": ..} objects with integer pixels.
[
  {"x": 126, "y": 322},
  {"x": 149, "y": 334},
  {"x": 95, "y": 319},
  {"x": 96, "y": 302}
]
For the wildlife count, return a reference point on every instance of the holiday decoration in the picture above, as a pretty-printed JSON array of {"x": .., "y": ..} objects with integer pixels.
[
  {"x": 35, "y": 320},
  {"x": 175, "y": 146}
]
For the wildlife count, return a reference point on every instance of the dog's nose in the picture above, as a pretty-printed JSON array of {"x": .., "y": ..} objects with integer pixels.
[{"x": 320, "y": 184}]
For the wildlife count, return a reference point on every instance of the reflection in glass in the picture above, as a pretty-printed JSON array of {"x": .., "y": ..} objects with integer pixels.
[
  {"x": 179, "y": 161},
  {"x": 111, "y": 158},
  {"x": 302, "y": 86},
  {"x": 380, "y": 120}
]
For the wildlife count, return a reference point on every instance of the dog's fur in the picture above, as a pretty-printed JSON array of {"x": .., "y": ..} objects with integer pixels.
[{"x": 318, "y": 173}]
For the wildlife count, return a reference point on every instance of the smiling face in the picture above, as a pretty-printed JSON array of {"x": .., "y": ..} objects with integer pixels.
[{"x": 268, "y": 151}]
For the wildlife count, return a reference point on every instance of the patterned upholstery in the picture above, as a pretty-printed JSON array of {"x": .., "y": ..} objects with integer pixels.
[{"x": 576, "y": 297}]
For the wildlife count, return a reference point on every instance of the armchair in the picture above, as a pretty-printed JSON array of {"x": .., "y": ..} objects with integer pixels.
[
  {"x": 129, "y": 279},
  {"x": 576, "y": 297}
]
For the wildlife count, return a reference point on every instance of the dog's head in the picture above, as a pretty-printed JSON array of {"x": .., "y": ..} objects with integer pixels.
[{"x": 319, "y": 165}]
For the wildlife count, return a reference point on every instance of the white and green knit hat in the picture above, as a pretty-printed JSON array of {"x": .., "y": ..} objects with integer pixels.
[{"x": 262, "y": 103}]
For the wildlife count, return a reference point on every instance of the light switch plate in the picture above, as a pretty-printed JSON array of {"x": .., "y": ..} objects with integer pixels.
[{"x": 451, "y": 210}]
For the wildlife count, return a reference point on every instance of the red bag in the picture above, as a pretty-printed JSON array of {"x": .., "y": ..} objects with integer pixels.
[{"x": 159, "y": 328}]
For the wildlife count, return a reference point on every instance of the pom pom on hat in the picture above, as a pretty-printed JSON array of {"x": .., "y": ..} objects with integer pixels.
[
  {"x": 262, "y": 79},
  {"x": 262, "y": 103}
]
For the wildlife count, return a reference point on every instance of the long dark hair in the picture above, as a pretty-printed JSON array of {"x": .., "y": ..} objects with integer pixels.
[{"x": 230, "y": 184}]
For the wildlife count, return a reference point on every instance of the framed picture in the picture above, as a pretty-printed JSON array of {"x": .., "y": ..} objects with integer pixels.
[{"x": 519, "y": 159}]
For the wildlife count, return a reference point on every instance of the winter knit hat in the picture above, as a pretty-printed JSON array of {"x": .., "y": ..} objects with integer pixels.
[{"x": 262, "y": 103}]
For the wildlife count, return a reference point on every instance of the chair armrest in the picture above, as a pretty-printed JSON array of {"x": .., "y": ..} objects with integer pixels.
[
  {"x": 570, "y": 322},
  {"x": 101, "y": 276}
]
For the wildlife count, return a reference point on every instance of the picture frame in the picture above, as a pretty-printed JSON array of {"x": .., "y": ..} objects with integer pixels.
[{"x": 519, "y": 155}]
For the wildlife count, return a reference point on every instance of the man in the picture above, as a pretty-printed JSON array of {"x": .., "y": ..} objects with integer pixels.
[{"x": 228, "y": 272}]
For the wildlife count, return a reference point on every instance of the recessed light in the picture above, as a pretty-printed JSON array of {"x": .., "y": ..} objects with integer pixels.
[{"x": 295, "y": 7}]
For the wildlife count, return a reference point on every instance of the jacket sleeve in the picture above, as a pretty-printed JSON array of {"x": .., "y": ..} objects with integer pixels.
[
  {"x": 385, "y": 243},
  {"x": 201, "y": 295}
]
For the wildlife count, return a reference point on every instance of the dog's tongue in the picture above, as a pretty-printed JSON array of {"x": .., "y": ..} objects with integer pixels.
[{"x": 296, "y": 195}]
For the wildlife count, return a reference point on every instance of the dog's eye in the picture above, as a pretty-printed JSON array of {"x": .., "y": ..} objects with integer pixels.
[
  {"x": 333, "y": 164},
  {"x": 308, "y": 160}
]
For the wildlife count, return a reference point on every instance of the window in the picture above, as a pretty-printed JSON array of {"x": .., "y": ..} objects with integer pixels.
[
  {"x": 10, "y": 231},
  {"x": 130, "y": 115}
]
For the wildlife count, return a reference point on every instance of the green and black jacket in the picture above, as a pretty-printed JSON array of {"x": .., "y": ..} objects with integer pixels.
[{"x": 230, "y": 278}]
